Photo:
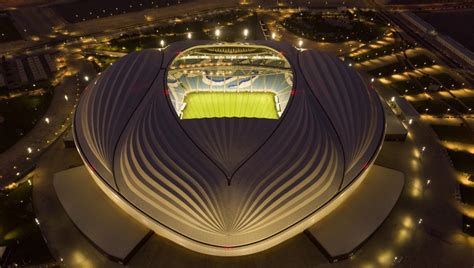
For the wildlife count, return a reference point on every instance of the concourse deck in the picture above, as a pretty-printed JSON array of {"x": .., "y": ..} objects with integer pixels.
[
  {"x": 343, "y": 231},
  {"x": 108, "y": 227}
]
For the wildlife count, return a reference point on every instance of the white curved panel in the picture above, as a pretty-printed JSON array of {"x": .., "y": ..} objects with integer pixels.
[{"x": 224, "y": 186}]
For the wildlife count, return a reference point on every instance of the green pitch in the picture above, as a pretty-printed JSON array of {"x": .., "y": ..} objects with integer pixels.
[{"x": 230, "y": 104}]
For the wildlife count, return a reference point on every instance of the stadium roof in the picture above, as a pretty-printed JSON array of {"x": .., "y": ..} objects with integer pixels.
[{"x": 228, "y": 185}]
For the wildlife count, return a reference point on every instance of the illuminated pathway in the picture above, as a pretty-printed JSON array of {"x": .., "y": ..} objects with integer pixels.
[{"x": 56, "y": 119}]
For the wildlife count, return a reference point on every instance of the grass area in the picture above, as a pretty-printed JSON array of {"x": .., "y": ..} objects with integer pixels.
[
  {"x": 8, "y": 31},
  {"x": 389, "y": 69},
  {"x": 467, "y": 194},
  {"x": 457, "y": 105},
  {"x": 468, "y": 225},
  {"x": 335, "y": 27},
  {"x": 139, "y": 42},
  {"x": 408, "y": 87},
  {"x": 421, "y": 60},
  {"x": 20, "y": 115},
  {"x": 18, "y": 229},
  {"x": 233, "y": 33},
  {"x": 432, "y": 107},
  {"x": 453, "y": 133},
  {"x": 230, "y": 104},
  {"x": 446, "y": 80},
  {"x": 417, "y": 61},
  {"x": 77, "y": 11},
  {"x": 462, "y": 161},
  {"x": 469, "y": 102},
  {"x": 381, "y": 51},
  {"x": 201, "y": 29}
]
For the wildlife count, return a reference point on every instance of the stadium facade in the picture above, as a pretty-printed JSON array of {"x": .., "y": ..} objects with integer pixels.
[{"x": 228, "y": 148}]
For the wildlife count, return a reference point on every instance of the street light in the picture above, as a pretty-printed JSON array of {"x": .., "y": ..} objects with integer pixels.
[
  {"x": 190, "y": 35},
  {"x": 46, "y": 120},
  {"x": 162, "y": 43},
  {"x": 29, "y": 150},
  {"x": 273, "y": 35},
  {"x": 217, "y": 33},
  {"x": 246, "y": 33},
  {"x": 86, "y": 78},
  {"x": 66, "y": 97},
  {"x": 300, "y": 43}
]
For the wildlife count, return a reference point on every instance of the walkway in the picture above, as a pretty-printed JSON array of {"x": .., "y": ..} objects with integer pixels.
[{"x": 43, "y": 134}]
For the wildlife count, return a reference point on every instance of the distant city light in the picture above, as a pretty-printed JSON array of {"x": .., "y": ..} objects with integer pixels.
[
  {"x": 300, "y": 43},
  {"x": 86, "y": 78},
  {"x": 190, "y": 35},
  {"x": 372, "y": 80},
  {"x": 29, "y": 150},
  {"x": 217, "y": 33},
  {"x": 162, "y": 43},
  {"x": 392, "y": 99},
  {"x": 46, "y": 120},
  {"x": 66, "y": 97},
  {"x": 273, "y": 35},
  {"x": 410, "y": 121},
  {"x": 246, "y": 33}
]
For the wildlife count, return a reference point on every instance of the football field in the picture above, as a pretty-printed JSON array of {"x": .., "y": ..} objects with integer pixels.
[{"x": 230, "y": 104}]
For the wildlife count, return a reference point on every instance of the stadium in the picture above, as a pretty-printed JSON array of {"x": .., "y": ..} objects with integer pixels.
[{"x": 229, "y": 148}]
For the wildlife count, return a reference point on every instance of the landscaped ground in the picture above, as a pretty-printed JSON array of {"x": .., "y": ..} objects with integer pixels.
[
  {"x": 77, "y": 11},
  {"x": 8, "y": 31},
  {"x": 19, "y": 115},
  {"x": 231, "y": 24},
  {"x": 453, "y": 133},
  {"x": 18, "y": 229},
  {"x": 433, "y": 107},
  {"x": 462, "y": 161},
  {"x": 380, "y": 51},
  {"x": 230, "y": 104},
  {"x": 335, "y": 26}
]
